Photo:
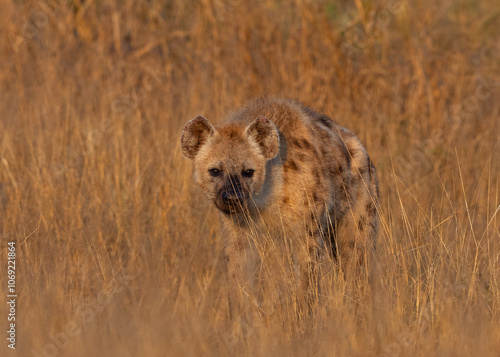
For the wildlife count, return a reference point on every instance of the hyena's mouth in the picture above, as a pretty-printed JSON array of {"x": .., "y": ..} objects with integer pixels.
[{"x": 230, "y": 208}]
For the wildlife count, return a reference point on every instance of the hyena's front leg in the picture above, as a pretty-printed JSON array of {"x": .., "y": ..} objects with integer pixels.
[
  {"x": 241, "y": 266},
  {"x": 242, "y": 263}
]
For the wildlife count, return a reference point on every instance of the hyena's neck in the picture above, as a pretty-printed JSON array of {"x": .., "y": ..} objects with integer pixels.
[
  {"x": 260, "y": 219},
  {"x": 266, "y": 200},
  {"x": 242, "y": 228}
]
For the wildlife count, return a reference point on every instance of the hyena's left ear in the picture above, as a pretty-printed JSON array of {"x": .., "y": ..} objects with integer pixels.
[
  {"x": 194, "y": 135},
  {"x": 263, "y": 131}
]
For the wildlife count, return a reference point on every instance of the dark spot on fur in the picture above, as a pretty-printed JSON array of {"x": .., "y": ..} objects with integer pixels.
[
  {"x": 285, "y": 200},
  {"x": 372, "y": 171},
  {"x": 334, "y": 170},
  {"x": 306, "y": 144},
  {"x": 309, "y": 111},
  {"x": 326, "y": 121},
  {"x": 292, "y": 165},
  {"x": 296, "y": 142},
  {"x": 370, "y": 208},
  {"x": 302, "y": 156},
  {"x": 315, "y": 197},
  {"x": 323, "y": 119},
  {"x": 372, "y": 166}
]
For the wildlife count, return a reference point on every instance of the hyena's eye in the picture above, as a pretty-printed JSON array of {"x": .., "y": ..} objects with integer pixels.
[
  {"x": 214, "y": 172},
  {"x": 248, "y": 173}
]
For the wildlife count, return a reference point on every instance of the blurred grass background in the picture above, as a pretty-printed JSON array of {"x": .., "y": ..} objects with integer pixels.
[{"x": 118, "y": 253}]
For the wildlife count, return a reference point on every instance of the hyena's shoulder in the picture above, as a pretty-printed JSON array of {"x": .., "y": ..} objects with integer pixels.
[{"x": 357, "y": 159}]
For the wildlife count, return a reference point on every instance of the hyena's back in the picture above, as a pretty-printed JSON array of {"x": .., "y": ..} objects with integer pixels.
[{"x": 329, "y": 181}]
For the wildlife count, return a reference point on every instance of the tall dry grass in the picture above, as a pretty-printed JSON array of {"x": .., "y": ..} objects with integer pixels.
[{"x": 118, "y": 253}]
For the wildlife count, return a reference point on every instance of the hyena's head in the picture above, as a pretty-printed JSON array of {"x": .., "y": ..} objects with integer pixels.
[{"x": 230, "y": 161}]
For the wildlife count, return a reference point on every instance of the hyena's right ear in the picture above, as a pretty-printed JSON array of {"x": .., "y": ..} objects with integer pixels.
[{"x": 194, "y": 135}]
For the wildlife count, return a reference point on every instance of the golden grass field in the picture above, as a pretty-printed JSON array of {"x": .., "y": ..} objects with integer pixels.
[{"x": 119, "y": 253}]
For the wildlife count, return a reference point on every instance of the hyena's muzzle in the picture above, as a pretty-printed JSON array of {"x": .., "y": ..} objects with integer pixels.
[{"x": 232, "y": 197}]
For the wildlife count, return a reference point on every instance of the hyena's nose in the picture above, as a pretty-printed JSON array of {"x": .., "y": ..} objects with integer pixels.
[
  {"x": 225, "y": 197},
  {"x": 232, "y": 193},
  {"x": 231, "y": 196}
]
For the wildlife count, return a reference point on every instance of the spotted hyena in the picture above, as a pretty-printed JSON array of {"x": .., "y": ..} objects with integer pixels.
[{"x": 290, "y": 184}]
